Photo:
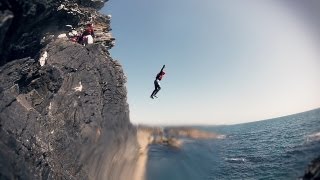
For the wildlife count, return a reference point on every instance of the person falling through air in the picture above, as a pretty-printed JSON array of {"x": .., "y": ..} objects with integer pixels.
[{"x": 157, "y": 83}]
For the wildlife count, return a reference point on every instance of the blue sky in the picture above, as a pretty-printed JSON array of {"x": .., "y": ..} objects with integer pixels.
[{"x": 226, "y": 61}]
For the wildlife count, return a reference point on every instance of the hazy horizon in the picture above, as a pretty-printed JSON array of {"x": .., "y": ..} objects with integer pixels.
[{"x": 195, "y": 124}]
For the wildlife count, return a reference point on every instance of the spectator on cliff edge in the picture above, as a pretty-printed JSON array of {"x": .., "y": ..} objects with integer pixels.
[
  {"x": 157, "y": 82},
  {"x": 88, "y": 35}
]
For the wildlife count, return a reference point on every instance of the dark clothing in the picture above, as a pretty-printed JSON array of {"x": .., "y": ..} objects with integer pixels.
[
  {"x": 156, "y": 88},
  {"x": 160, "y": 75},
  {"x": 88, "y": 31},
  {"x": 156, "y": 82}
]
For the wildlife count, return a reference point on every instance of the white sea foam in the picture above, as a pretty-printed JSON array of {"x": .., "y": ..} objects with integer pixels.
[
  {"x": 235, "y": 159},
  {"x": 313, "y": 137},
  {"x": 221, "y": 136}
]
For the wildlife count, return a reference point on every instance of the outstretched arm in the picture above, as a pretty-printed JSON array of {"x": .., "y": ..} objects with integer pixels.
[{"x": 163, "y": 68}]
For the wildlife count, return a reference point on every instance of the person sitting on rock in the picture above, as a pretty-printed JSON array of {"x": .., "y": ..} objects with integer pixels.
[
  {"x": 157, "y": 82},
  {"x": 87, "y": 35}
]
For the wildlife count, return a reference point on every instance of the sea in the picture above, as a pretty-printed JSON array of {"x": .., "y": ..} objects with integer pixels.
[{"x": 279, "y": 148}]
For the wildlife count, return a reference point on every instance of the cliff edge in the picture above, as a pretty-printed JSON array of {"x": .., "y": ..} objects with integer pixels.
[{"x": 63, "y": 110}]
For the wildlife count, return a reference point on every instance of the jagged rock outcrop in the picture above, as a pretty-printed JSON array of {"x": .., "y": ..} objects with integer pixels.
[
  {"x": 26, "y": 26},
  {"x": 180, "y": 132},
  {"x": 173, "y": 136},
  {"x": 313, "y": 170},
  {"x": 63, "y": 108}
]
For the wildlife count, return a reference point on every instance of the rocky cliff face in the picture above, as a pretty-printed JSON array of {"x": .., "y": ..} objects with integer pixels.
[
  {"x": 68, "y": 117},
  {"x": 28, "y": 25},
  {"x": 313, "y": 170}
]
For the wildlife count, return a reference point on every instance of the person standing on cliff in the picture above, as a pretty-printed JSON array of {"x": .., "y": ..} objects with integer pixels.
[
  {"x": 157, "y": 82},
  {"x": 87, "y": 35}
]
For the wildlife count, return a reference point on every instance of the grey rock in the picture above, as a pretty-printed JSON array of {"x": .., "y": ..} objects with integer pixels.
[
  {"x": 67, "y": 118},
  {"x": 313, "y": 170},
  {"x": 26, "y": 23}
]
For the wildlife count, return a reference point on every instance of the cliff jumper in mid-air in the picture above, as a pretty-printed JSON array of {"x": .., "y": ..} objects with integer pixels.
[{"x": 157, "y": 83}]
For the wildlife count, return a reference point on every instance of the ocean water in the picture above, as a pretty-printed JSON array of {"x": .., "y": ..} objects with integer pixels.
[{"x": 278, "y": 149}]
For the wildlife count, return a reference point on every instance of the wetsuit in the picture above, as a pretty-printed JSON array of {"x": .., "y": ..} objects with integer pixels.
[{"x": 157, "y": 83}]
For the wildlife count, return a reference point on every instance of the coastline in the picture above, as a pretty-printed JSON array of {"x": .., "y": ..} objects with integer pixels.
[{"x": 147, "y": 135}]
